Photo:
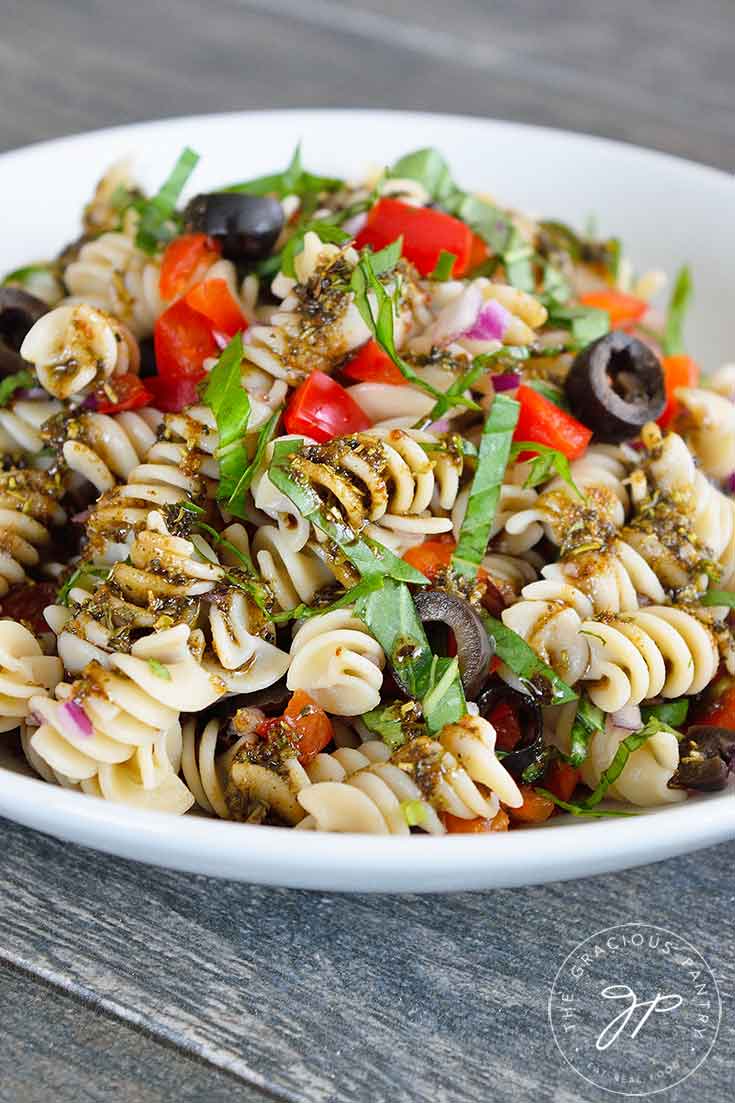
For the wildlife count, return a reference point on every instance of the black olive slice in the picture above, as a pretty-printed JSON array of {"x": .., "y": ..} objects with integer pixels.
[
  {"x": 706, "y": 757},
  {"x": 19, "y": 311},
  {"x": 247, "y": 226},
  {"x": 615, "y": 386},
  {"x": 527, "y": 711},
  {"x": 474, "y": 650}
]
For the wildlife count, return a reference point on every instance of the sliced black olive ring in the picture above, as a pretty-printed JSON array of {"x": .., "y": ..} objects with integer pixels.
[
  {"x": 19, "y": 311},
  {"x": 474, "y": 650},
  {"x": 706, "y": 758}
]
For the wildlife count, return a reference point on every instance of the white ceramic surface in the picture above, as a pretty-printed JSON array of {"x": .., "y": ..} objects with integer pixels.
[{"x": 666, "y": 210}]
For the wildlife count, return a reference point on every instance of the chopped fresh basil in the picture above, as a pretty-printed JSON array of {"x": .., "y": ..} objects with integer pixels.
[
  {"x": 581, "y": 810},
  {"x": 236, "y": 501},
  {"x": 159, "y": 670},
  {"x": 679, "y": 303},
  {"x": 327, "y": 231},
  {"x": 500, "y": 234},
  {"x": 588, "y": 720},
  {"x": 625, "y": 749},
  {"x": 369, "y": 557},
  {"x": 390, "y": 724},
  {"x": 385, "y": 260},
  {"x": 586, "y": 323},
  {"x": 673, "y": 713},
  {"x": 547, "y": 460},
  {"x": 555, "y": 287},
  {"x": 523, "y": 661},
  {"x": 77, "y": 577},
  {"x": 391, "y": 617},
  {"x": 495, "y": 444},
  {"x": 12, "y": 383},
  {"x": 414, "y": 812},
  {"x": 718, "y": 597},
  {"x": 548, "y": 390},
  {"x": 428, "y": 168},
  {"x": 366, "y": 285},
  {"x": 28, "y": 276},
  {"x": 444, "y": 266},
  {"x": 157, "y": 215},
  {"x": 294, "y": 180},
  {"x": 508, "y": 356},
  {"x": 349, "y": 597},
  {"x": 230, "y": 404}
]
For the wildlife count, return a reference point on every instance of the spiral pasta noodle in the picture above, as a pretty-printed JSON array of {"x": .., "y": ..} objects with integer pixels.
[
  {"x": 24, "y": 670},
  {"x": 105, "y": 449},
  {"x": 338, "y": 663},
  {"x": 112, "y": 274},
  {"x": 29, "y": 506},
  {"x": 647, "y": 772},
  {"x": 21, "y": 424},
  {"x": 366, "y": 789},
  {"x": 76, "y": 348},
  {"x": 708, "y": 427}
]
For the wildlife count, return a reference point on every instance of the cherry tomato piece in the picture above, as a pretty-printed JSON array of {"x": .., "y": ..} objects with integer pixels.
[
  {"x": 215, "y": 301},
  {"x": 185, "y": 260},
  {"x": 371, "y": 365},
  {"x": 322, "y": 410},
  {"x": 122, "y": 392},
  {"x": 426, "y": 234}
]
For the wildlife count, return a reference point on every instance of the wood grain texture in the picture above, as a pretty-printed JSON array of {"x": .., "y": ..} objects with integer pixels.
[
  {"x": 313, "y": 997},
  {"x": 652, "y": 72},
  {"x": 319, "y": 998},
  {"x": 55, "y": 1047}
]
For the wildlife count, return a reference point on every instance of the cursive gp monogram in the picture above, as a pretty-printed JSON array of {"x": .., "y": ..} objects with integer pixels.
[{"x": 660, "y": 1004}]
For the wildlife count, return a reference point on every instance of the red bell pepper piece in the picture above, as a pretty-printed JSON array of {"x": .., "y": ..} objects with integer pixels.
[
  {"x": 322, "y": 410},
  {"x": 186, "y": 258},
  {"x": 183, "y": 340},
  {"x": 544, "y": 423},
  {"x": 425, "y": 231},
  {"x": 215, "y": 301},
  {"x": 371, "y": 365},
  {"x": 172, "y": 395},
  {"x": 679, "y": 371},
  {"x": 130, "y": 394},
  {"x": 623, "y": 309}
]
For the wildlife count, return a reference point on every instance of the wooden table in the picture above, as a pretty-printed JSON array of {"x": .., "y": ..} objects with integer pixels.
[{"x": 124, "y": 982}]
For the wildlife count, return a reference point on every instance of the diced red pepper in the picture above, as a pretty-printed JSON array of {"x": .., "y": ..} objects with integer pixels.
[
  {"x": 311, "y": 727},
  {"x": 214, "y": 300},
  {"x": 535, "y": 808},
  {"x": 455, "y": 825},
  {"x": 541, "y": 421},
  {"x": 186, "y": 260},
  {"x": 430, "y": 557},
  {"x": 561, "y": 779},
  {"x": 679, "y": 371},
  {"x": 426, "y": 233},
  {"x": 322, "y": 410},
  {"x": 183, "y": 340},
  {"x": 130, "y": 393},
  {"x": 479, "y": 253},
  {"x": 623, "y": 309},
  {"x": 371, "y": 365},
  {"x": 507, "y": 727},
  {"x": 172, "y": 395}
]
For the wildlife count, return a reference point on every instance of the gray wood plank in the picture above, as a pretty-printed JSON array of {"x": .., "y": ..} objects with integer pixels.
[
  {"x": 55, "y": 1047},
  {"x": 659, "y": 75},
  {"x": 322, "y": 998}
]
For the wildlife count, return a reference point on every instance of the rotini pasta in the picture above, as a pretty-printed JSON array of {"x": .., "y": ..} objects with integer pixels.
[
  {"x": 338, "y": 663},
  {"x": 29, "y": 506},
  {"x": 24, "y": 670}
]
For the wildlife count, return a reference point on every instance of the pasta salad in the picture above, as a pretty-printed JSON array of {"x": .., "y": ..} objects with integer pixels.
[{"x": 361, "y": 507}]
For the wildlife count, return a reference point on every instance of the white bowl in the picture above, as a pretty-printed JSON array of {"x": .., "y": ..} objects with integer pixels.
[{"x": 666, "y": 210}]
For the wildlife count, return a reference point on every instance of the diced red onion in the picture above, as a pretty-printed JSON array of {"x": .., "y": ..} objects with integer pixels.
[
  {"x": 508, "y": 381},
  {"x": 628, "y": 717},
  {"x": 490, "y": 324},
  {"x": 353, "y": 225},
  {"x": 81, "y": 518},
  {"x": 457, "y": 317},
  {"x": 221, "y": 339},
  {"x": 731, "y": 483},
  {"x": 30, "y": 393},
  {"x": 90, "y": 403},
  {"x": 443, "y": 425},
  {"x": 79, "y": 723}
]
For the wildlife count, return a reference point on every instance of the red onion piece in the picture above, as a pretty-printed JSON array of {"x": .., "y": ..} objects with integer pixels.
[
  {"x": 81, "y": 518},
  {"x": 221, "y": 339},
  {"x": 352, "y": 226},
  {"x": 628, "y": 717},
  {"x": 77, "y": 722},
  {"x": 490, "y": 324},
  {"x": 730, "y": 483},
  {"x": 508, "y": 381}
]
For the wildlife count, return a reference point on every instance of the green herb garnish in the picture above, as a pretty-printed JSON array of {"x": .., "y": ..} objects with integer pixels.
[
  {"x": 428, "y": 168},
  {"x": 326, "y": 230},
  {"x": 159, "y": 670},
  {"x": 718, "y": 597},
  {"x": 586, "y": 323},
  {"x": 443, "y": 267},
  {"x": 673, "y": 713},
  {"x": 495, "y": 446},
  {"x": 513, "y": 650},
  {"x": 294, "y": 180},
  {"x": 547, "y": 460},
  {"x": 581, "y": 810},
  {"x": 236, "y": 501},
  {"x": 349, "y": 597},
  {"x": 77, "y": 577},
  {"x": 387, "y": 722},
  {"x": 230, "y": 404},
  {"x": 679, "y": 303},
  {"x": 12, "y": 383},
  {"x": 368, "y": 556},
  {"x": 414, "y": 812},
  {"x": 589, "y": 720},
  {"x": 158, "y": 224}
]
